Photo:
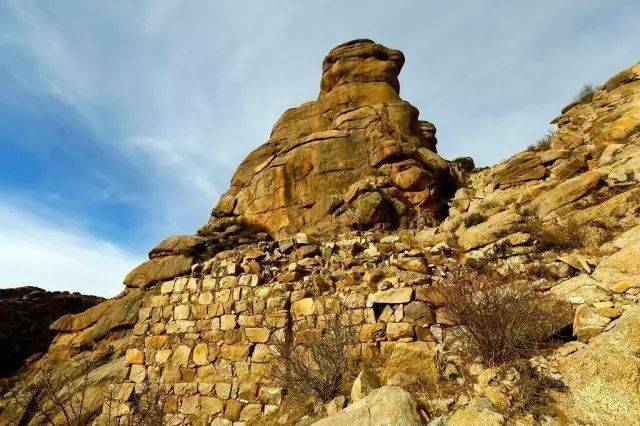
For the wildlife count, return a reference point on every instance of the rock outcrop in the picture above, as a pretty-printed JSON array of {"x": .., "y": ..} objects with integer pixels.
[
  {"x": 347, "y": 211},
  {"x": 25, "y": 316},
  {"x": 354, "y": 158},
  {"x": 388, "y": 405}
]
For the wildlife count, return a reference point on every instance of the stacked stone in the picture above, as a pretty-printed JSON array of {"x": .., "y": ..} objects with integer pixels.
[{"x": 208, "y": 339}]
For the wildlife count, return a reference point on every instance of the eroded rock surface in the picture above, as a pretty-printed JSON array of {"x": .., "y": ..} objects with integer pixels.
[{"x": 355, "y": 157}]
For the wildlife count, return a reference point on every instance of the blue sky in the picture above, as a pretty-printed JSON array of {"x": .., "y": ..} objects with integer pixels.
[{"x": 122, "y": 122}]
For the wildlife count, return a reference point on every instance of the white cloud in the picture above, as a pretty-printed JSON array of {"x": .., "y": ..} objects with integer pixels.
[{"x": 48, "y": 254}]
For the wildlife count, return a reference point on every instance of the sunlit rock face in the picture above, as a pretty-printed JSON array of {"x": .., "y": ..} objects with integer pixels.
[{"x": 354, "y": 158}]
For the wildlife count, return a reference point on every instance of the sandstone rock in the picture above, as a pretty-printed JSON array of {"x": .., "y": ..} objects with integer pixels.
[
  {"x": 603, "y": 378},
  {"x": 401, "y": 330},
  {"x": 134, "y": 356},
  {"x": 75, "y": 322},
  {"x": 588, "y": 323},
  {"x": 187, "y": 245},
  {"x": 357, "y": 128},
  {"x": 527, "y": 166},
  {"x": 415, "y": 264},
  {"x": 201, "y": 354},
  {"x": 257, "y": 335},
  {"x": 391, "y": 296},
  {"x": 622, "y": 265},
  {"x": 580, "y": 289},
  {"x": 364, "y": 384},
  {"x": 416, "y": 359},
  {"x": 158, "y": 269},
  {"x": 467, "y": 416},
  {"x": 567, "y": 191},
  {"x": 388, "y": 405},
  {"x": 489, "y": 231},
  {"x": 303, "y": 307}
]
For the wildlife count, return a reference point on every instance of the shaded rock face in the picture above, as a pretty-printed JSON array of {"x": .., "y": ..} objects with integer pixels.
[
  {"x": 25, "y": 316},
  {"x": 356, "y": 157}
]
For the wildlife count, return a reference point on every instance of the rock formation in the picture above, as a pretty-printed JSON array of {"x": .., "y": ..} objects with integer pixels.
[
  {"x": 356, "y": 157},
  {"x": 25, "y": 316},
  {"x": 347, "y": 211}
]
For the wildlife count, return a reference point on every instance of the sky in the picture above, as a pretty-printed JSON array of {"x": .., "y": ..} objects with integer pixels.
[{"x": 122, "y": 122}]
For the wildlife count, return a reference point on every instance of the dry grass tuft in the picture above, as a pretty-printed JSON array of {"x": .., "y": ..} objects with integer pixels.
[{"x": 501, "y": 319}]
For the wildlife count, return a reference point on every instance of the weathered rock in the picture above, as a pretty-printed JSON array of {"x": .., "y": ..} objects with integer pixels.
[
  {"x": 467, "y": 416},
  {"x": 527, "y": 166},
  {"x": 588, "y": 323},
  {"x": 487, "y": 232},
  {"x": 391, "y": 296},
  {"x": 356, "y": 129},
  {"x": 416, "y": 359},
  {"x": 388, "y": 405},
  {"x": 187, "y": 245},
  {"x": 365, "y": 383},
  {"x": 567, "y": 192},
  {"x": 603, "y": 378},
  {"x": 158, "y": 269}
]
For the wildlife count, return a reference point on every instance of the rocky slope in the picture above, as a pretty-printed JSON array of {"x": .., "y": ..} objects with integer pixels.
[
  {"x": 347, "y": 209},
  {"x": 25, "y": 316}
]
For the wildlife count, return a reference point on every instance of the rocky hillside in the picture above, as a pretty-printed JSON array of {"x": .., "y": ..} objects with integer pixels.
[
  {"x": 342, "y": 231},
  {"x": 25, "y": 316}
]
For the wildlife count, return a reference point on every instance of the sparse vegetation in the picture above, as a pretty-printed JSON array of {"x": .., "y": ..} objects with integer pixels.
[
  {"x": 586, "y": 93},
  {"x": 55, "y": 397},
  {"x": 566, "y": 235},
  {"x": 52, "y": 399},
  {"x": 318, "y": 365},
  {"x": 542, "y": 144},
  {"x": 499, "y": 318},
  {"x": 532, "y": 395},
  {"x": 473, "y": 219}
]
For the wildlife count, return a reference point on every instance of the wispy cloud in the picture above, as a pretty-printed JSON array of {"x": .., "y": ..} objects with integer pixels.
[
  {"x": 35, "y": 251},
  {"x": 154, "y": 104}
]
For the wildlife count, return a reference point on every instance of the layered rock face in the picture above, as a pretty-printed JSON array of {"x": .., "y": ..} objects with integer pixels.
[{"x": 356, "y": 157}]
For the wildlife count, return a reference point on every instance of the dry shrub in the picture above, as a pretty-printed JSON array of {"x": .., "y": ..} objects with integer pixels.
[
  {"x": 54, "y": 398},
  {"x": 565, "y": 235},
  {"x": 317, "y": 365},
  {"x": 57, "y": 397},
  {"x": 532, "y": 391},
  {"x": 586, "y": 93},
  {"x": 148, "y": 408},
  {"x": 542, "y": 144},
  {"x": 501, "y": 319}
]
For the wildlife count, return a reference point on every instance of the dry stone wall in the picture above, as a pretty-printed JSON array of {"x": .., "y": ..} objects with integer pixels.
[{"x": 208, "y": 339}]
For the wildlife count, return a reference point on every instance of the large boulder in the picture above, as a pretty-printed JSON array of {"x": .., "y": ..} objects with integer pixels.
[
  {"x": 603, "y": 379},
  {"x": 354, "y": 158},
  {"x": 388, "y": 405},
  {"x": 158, "y": 269},
  {"x": 415, "y": 360}
]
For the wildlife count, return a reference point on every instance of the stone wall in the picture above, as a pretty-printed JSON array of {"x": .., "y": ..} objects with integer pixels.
[{"x": 209, "y": 338}]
